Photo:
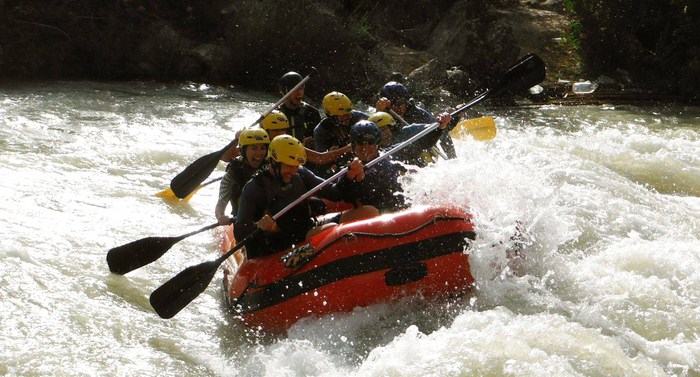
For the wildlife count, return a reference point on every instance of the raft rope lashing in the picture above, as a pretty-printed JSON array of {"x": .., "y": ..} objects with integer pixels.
[
  {"x": 253, "y": 284},
  {"x": 388, "y": 258}
]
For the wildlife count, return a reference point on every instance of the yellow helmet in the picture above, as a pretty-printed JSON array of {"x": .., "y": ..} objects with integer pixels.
[
  {"x": 382, "y": 119},
  {"x": 275, "y": 120},
  {"x": 287, "y": 150},
  {"x": 253, "y": 136},
  {"x": 337, "y": 104}
]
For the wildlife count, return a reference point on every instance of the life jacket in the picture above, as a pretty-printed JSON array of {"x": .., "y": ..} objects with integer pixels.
[
  {"x": 240, "y": 173},
  {"x": 297, "y": 123},
  {"x": 296, "y": 222},
  {"x": 302, "y": 120}
]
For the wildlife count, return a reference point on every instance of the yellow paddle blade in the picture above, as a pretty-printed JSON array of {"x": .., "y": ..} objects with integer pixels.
[
  {"x": 169, "y": 196},
  {"x": 480, "y": 129},
  {"x": 167, "y": 193},
  {"x": 188, "y": 197}
]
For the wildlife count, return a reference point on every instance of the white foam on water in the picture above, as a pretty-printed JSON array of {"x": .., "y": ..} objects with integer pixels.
[{"x": 606, "y": 198}]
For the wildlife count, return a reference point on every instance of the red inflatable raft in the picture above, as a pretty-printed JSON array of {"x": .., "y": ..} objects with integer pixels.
[{"x": 419, "y": 250}]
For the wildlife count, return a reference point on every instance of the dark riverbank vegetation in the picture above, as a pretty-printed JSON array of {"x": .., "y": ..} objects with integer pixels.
[{"x": 447, "y": 50}]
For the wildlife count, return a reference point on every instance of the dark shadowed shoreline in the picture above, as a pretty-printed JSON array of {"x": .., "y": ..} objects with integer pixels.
[{"x": 444, "y": 51}]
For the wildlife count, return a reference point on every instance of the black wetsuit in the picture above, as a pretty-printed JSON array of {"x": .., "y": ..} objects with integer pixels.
[
  {"x": 266, "y": 194},
  {"x": 302, "y": 120},
  {"x": 415, "y": 114},
  {"x": 329, "y": 133},
  {"x": 237, "y": 174},
  {"x": 413, "y": 153},
  {"x": 380, "y": 187}
]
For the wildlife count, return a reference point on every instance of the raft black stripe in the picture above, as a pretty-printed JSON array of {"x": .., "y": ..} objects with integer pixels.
[
  {"x": 382, "y": 259},
  {"x": 355, "y": 235}
]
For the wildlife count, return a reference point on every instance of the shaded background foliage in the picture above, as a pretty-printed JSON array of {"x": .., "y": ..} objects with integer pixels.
[
  {"x": 356, "y": 44},
  {"x": 656, "y": 41}
]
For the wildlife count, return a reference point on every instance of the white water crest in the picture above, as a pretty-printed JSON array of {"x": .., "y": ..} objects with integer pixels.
[{"x": 608, "y": 198}]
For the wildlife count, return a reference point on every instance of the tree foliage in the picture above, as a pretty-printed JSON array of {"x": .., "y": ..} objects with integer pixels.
[
  {"x": 656, "y": 41},
  {"x": 248, "y": 41}
]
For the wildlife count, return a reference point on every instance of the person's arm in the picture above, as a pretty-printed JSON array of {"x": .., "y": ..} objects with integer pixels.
[
  {"x": 413, "y": 151},
  {"x": 330, "y": 156},
  {"x": 233, "y": 151},
  {"x": 225, "y": 192},
  {"x": 417, "y": 114},
  {"x": 311, "y": 180},
  {"x": 446, "y": 142},
  {"x": 250, "y": 209},
  {"x": 330, "y": 192},
  {"x": 220, "y": 212}
]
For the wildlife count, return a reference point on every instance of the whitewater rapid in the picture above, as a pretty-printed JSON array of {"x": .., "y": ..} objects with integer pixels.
[{"x": 609, "y": 197}]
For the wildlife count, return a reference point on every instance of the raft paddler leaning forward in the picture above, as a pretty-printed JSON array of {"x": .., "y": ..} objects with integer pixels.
[{"x": 280, "y": 182}]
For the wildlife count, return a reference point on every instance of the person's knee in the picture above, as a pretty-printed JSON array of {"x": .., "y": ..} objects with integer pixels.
[
  {"x": 370, "y": 211},
  {"x": 360, "y": 213}
]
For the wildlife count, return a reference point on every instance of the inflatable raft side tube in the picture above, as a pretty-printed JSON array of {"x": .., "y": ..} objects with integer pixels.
[{"x": 389, "y": 258}]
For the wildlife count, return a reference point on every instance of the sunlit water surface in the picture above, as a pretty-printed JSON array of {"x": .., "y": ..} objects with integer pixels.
[{"x": 609, "y": 286}]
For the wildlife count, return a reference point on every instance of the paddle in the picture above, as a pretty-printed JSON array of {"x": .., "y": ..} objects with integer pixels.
[
  {"x": 126, "y": 258},
  {"x": 168, "y": 193},
  {"x": 187, "y": 181},
  {"x": 184, "y": 287},
  {"x": 480, "y": 129}
]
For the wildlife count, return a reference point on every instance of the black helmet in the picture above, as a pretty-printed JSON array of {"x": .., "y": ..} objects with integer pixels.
[
  {"x": 395, "y": 92},
  {"x": 288, "y": 81},
  {"x": 365, "y": 131}
]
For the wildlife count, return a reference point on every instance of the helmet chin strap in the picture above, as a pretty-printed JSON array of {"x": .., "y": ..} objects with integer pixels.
[
  {"x": 276, "y": 169},
  {"x": 244, "y": 156}
]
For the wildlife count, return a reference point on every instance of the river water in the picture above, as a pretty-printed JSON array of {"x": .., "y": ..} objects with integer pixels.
[{"x": 609, "y": 286}]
